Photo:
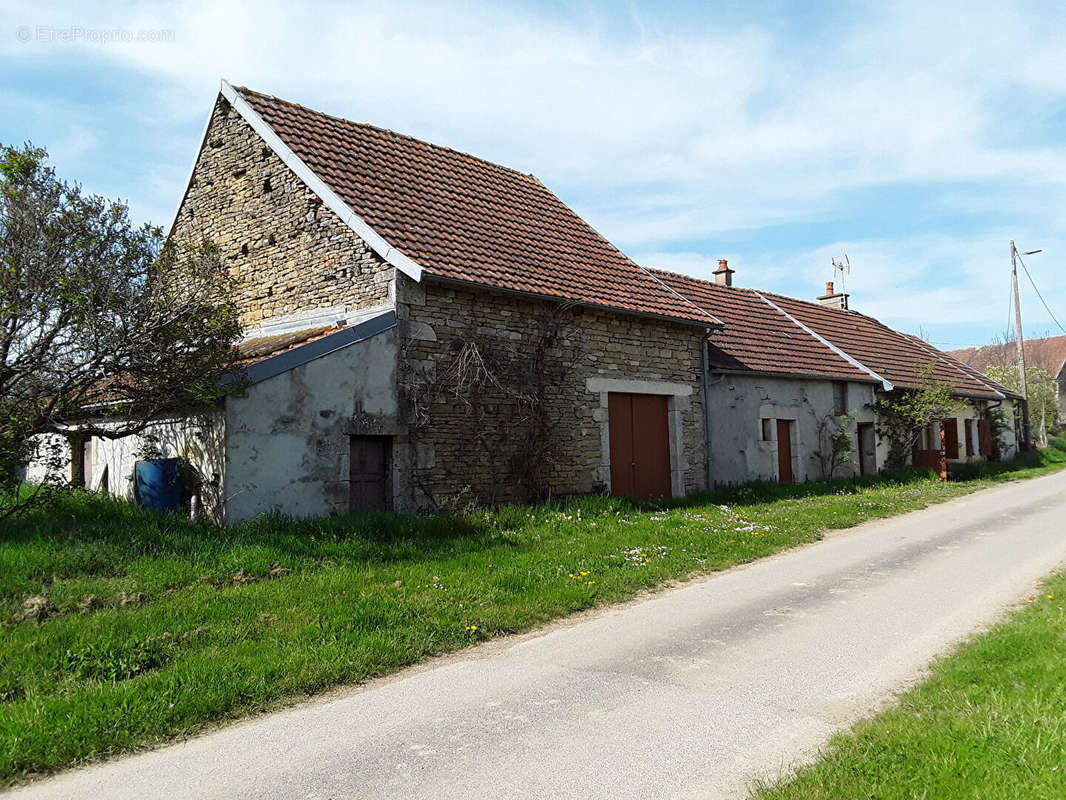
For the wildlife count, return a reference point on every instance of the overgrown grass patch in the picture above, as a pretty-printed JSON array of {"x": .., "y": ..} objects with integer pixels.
[
  {"x": 122, "y": 628},
  {"x": 988, "y": 723}
]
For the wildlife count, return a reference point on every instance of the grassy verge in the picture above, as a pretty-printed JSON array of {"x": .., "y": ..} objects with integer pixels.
[
  {"x": 123, "y": 628},
  {"x": 989, "y": 723}
]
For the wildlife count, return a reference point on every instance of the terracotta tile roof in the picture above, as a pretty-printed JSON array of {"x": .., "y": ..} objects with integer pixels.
[
  {"x": 757, "y": 337},
  {"x": 465, "y": 219},
  {"x": 760, "y": 338},
  {"x": 893, "y": 355},
  {"x": 1049, "y": 354}
]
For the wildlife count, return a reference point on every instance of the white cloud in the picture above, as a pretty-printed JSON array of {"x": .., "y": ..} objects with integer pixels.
[{"x": 662, "y": 135}]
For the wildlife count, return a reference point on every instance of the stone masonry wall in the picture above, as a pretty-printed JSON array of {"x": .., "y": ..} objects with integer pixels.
[
  {"x": 287, "y": 251},
  {"x": 444, "y": 452}
]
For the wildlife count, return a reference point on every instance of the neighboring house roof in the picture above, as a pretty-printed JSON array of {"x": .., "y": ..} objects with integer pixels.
[
  {"x": 457, "y": 217},
  {"x": 1048, "y": 353},
  {"x": 759, "y": 338},
  {"x": 771, "y": 333}
]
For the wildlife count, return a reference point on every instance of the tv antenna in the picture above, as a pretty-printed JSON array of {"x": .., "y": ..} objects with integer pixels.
[{"x": 841, "y": 265}]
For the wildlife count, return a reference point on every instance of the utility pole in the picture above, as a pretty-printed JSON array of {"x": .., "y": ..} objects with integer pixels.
[{"x": 1020, "y": 343}]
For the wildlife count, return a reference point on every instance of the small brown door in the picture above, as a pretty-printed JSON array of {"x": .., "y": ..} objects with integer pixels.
[
  {"x": 867, "y": 449},
  {"x": 368, "y": 473},
  {"x": 639, "y": 430},
  {"x": 784, "y": 451}
]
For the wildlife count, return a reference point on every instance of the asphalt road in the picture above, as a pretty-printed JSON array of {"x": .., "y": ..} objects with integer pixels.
[{"x": 689, "y": 693}]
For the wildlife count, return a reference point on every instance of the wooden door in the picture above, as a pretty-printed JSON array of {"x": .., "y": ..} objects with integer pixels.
[
  {"x": 784, "y": 451},
  {"x": 949, "y": 438},
  {"x": 368, "y": 473},
  {"x": 984, "y": 438},
  {"x": 639, "y": 437},
  {"x": 867, "y": 449}
]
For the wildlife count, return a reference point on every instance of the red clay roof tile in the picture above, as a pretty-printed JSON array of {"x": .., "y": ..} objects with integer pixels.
[
  {"x": 1048, "y": 353},
  {"x": 757, "y": 337},
  {"x": 893, "y": 355}
]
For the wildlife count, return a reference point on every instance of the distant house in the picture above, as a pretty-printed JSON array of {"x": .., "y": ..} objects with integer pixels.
[
  {"x": 1048, "y": 353},
  {"x": 425, "y": 328}
]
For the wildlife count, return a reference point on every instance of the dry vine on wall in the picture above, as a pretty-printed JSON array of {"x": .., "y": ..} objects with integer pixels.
[{"x": 502, "y": 390}]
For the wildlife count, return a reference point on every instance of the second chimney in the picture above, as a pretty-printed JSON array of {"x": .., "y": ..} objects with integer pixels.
[
  {"x": 723, "y": 276},
  {"x": 832, "y": 298}
]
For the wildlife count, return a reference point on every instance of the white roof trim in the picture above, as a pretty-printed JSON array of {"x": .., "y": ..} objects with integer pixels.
[
  {"x": 854, "y": 362},
  {"x": 714, "y": 320},
  {"x": 316, "y": 185}
]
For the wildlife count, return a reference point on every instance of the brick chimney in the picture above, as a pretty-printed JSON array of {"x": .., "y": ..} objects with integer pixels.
[
  {"x": 723, "y": 276},
  {"x": 833, "y": 299}
]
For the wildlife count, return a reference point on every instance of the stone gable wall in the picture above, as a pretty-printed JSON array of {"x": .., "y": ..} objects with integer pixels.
[
  {"x": 450, "y": 455},
  {"x": 288, "y": 252}
]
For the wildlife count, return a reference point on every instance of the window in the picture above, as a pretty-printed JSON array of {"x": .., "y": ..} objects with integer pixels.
[
  {"x": 968, "y": 425},
  {"x": 840, "y": 398},
  {"x": 767, "y": 430}
]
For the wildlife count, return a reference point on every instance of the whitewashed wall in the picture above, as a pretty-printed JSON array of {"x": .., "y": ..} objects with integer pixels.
[
  {"x": 739, "y": 403},
  {"x": 287, "y": 438}
]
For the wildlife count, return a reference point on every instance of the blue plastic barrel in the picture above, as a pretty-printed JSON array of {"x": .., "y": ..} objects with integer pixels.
[{"x": 158, "y": 484}]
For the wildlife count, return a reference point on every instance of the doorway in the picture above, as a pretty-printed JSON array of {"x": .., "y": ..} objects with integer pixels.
[
  {"x": 784, "y": 451},
  {"x": 867, "y": 449},
  {"x": 368, "y": 473},
  {"x": 639, "y": 430}
]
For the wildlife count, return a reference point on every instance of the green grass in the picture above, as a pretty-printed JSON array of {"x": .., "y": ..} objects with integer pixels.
[
  {"x": 989, "y": 723},
  {"x": 123, "y": 628}
]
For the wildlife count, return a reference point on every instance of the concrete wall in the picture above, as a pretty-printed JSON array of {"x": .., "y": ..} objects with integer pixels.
[
  {"x": 1009, "y": 438},
  {"x": 49, "y": 461},
  {"x": 739, "y": 403},
  {"x": 288, "y": 436}
]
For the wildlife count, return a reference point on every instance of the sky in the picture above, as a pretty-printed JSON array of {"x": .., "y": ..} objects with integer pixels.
[{"x": 918, "y": 138}]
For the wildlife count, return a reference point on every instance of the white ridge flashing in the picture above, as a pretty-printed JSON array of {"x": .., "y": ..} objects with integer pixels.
[
  {"x": 316, "y": 185},
  {"x": 887, "y": 384}
]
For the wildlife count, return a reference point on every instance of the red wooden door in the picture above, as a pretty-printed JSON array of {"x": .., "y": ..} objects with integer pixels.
[
  {"x": 368, "y": 474},
  {"x": 784, "y": 451},
  {"x": 639, "y": 434}
]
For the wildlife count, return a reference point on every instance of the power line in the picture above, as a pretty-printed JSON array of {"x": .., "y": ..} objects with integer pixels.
[{"x": 1033, "y": 283}]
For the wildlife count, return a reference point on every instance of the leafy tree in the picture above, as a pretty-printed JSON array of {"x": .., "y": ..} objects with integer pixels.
[
  {"x": 904, "y": 413},
  {"x": 1043, "y": 391},
  {"x": 99, "y": 319}
]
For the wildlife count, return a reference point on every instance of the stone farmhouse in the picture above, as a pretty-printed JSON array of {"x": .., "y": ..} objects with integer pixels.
[{"x": 425, "y": 328}]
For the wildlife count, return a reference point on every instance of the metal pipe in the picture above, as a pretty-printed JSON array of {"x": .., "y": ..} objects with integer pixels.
[{"x": 705, "y": 359}]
